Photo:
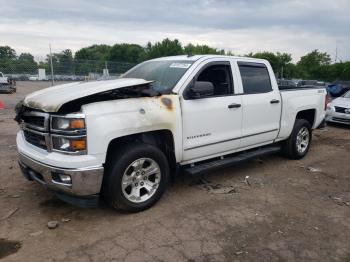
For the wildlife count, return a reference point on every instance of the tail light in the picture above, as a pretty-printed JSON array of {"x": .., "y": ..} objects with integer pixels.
[{"x": 326, "y": 101}]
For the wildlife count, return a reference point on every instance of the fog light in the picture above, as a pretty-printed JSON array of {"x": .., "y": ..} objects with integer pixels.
[
  {"x": 62, "y": 178},
  {"x": 65, "y": 178}
]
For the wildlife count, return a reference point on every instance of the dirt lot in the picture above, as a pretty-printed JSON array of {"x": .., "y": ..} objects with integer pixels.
[{"x": 285, "y": 211}]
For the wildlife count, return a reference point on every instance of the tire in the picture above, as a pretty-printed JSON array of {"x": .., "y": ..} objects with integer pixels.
[
  {"x": 298, "y": 144},
  {"x": 133, "y": 165}
]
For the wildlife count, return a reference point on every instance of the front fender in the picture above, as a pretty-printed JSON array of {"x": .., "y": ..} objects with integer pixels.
[{"x": 108, "y": 120}]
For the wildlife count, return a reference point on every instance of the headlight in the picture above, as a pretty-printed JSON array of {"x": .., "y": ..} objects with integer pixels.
[
  {"x": 68, "y": 134},
  {"x": 67, "y": 124},
  {"x": 330, "y": 107},
  {"x": 69, "y": 144}
]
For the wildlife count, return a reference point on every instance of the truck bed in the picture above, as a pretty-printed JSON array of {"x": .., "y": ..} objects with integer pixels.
[{"x": 297, "y": 99}]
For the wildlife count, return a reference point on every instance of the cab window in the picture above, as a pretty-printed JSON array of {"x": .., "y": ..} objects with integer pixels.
[
  {"x": 255, "y": 78},
  {"x": 221, "y": 78}
]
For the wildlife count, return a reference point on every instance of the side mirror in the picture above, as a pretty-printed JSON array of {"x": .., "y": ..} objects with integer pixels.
[{"x": 201, "y": 89}]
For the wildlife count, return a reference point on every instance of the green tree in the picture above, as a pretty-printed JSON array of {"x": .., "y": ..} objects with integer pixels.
[
  {"x": 62, "y": 62},
  {"x": 130, "y": 53},
  {"x": 26, "y": 64},
  {"x": 191, "y": 49},
  {"x": 165, "y": 48},
  {"x": 65, "y": 59},
  {"x": 91, "y": 59},
  {"x": 7, "y": 52},
  {"x": 280, "y": 62},
  {"x": 311, "y": 63},
  {"x": 94, "y": 52},
  {"x": 7, "y": 59}
]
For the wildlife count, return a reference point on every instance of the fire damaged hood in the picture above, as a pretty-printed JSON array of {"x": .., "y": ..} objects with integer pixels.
[{"x": 51, "y": 99}]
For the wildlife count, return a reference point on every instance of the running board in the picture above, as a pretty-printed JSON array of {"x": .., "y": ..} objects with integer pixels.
[{"x": 199, "y": 169}]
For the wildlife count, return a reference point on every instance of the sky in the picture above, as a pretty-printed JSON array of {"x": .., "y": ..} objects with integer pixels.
[{"x": 240, "y": 26}]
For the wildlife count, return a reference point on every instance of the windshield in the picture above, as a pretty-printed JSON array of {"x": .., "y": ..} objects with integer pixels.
[
  {"x": 165, "y": 74},
  {"x": 347, "y": 94}
]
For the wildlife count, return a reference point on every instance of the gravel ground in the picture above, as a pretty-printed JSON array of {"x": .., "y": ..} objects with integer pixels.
[{"x": 285, "y": 211}]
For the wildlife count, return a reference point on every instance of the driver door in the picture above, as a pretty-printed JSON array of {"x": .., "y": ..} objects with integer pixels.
[{"x": 212, "y": 125}]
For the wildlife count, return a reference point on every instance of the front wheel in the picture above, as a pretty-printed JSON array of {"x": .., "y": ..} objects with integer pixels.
[
  {"x": 136, "y": 177},
  {"x": 298, "y": 144}
]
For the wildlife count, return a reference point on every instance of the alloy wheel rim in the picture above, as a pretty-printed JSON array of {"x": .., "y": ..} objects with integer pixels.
[
  {"x": 303, "y": 139},
  {"x": 141, "y": 180}
]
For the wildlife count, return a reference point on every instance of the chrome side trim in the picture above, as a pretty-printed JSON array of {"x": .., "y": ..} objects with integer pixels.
[{"x": 231, "y": 139}]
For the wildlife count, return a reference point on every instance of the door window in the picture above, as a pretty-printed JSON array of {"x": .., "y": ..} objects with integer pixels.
[
  {"x": 220, "y": 76},
  {"x": 255, "y": 78}
]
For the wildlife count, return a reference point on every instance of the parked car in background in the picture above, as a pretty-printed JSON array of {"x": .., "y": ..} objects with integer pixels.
[
  {"x": 339, "y": 109},
  {"x": 293, "y": 83},
  {"x": 306, "y": 83},
  {"x": 33, "y": 78},
  {"x": 3, "y": 79},
  {"x": 286, "y": 83},
  {"x": 7, "y": 85},
  {"x": 338, "y": 88}
]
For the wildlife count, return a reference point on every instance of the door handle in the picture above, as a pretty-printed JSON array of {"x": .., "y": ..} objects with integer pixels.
[
  {"x": 274, "y": 101},
  {"x": 234, "y": 105}
]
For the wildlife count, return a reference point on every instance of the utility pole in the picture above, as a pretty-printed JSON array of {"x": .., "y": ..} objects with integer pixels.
[
  {"x": 282, "y": 73},
  {"x": 336, "y": 51},
  {"x": 52, "y": 80}
]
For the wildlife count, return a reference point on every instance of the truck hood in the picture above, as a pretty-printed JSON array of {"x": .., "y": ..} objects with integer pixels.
[
  {"x": 52, "y": 98},
  {"x": 341, "y": 101}
]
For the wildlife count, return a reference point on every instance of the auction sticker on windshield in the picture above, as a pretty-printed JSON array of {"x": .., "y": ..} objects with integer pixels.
[{"x": 180, "y": 65}]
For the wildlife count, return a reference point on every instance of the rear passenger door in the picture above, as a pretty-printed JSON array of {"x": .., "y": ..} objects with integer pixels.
[{"x": 261, "y": 104}]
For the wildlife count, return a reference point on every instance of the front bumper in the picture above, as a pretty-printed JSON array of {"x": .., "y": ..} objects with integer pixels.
[
  {"x": 85, "y": 182},
  {"x": 338, "y": 117}
]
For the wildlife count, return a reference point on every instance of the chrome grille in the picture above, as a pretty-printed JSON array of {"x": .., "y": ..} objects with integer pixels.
[
  {"x": 35, "y": 127},
  {"x": 36, "y": 131},
  {"x": 36, "y": 120},
  {"x": 340, "y": 109},
  {"x": 35, "y": 138}
]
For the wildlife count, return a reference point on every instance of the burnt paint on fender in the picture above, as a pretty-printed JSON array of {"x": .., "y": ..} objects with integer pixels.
[{"x": 167, "y": 102}]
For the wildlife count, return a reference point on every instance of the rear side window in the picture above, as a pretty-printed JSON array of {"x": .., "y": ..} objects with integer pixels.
[{"x": 255, "y": 78}]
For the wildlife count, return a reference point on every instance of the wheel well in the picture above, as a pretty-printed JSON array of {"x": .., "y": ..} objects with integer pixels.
[
  {"x": 308, "y": 115},
  {"x": 163, "y": 139}
]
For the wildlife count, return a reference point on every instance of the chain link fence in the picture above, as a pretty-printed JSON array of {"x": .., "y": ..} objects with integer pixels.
[{"x": 66, "y": 70}]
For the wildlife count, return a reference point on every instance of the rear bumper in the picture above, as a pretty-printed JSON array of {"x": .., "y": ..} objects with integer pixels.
[{"x": 85, "y": 182}]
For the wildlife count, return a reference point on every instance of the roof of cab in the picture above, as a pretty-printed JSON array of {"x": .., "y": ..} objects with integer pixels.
[{"x": 198, "y": 57}]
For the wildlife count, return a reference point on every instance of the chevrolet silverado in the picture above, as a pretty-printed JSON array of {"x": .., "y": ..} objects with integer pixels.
[{"x": 122, "y": 140}]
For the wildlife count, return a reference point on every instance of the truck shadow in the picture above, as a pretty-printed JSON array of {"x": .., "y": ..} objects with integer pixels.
[{"x": 338, "y": 125}]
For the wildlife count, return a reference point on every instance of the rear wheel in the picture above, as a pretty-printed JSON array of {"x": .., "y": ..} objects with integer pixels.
[
  {"x": 136, "y": 177},
  {"x": 298, "y": 144}
]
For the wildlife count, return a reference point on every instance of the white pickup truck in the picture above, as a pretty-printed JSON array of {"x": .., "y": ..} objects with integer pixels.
[
  {"x": 7, "y": 85},
  {"x": 3, "y": 79},
  {"x": 124, "y": 139}
]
